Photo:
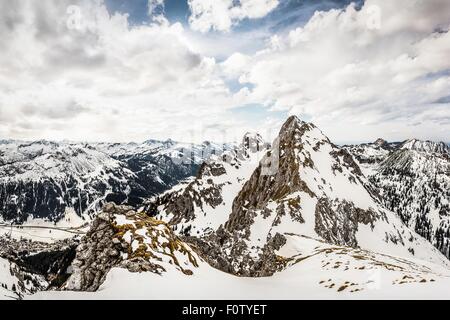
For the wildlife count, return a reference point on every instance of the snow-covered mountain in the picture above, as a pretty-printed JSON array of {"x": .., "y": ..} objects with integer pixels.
[
  {"x": 429, "y": 147},
  {"x": 297, "y": 218},
  {"x": 239, "y": 215},
  {"x": 413, "y": 180},
  {"x": 369, "y": 155},
  {"x": 43, "y": 179}
]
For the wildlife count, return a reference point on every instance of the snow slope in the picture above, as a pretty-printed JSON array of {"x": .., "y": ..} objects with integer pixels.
[
  {"x": 317, "y": 271},
  {"x": 301, "y": 218},
  {"x": 38, "y": 229}
]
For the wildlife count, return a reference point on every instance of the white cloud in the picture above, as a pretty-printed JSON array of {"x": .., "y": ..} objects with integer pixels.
[
  {"x": 342, "y": 71},
  {"x": 235, "y": 64},
  {"x": 221, "y": 15},
  {"x": 79, "y": 73},
  {"x": 89, "y": 75}
]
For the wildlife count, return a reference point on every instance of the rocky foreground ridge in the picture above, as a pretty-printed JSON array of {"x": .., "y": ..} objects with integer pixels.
[{"x": 122, "y": 238}]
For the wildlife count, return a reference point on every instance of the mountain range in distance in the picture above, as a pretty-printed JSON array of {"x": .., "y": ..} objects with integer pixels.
[
  {"x": 325, "y": 221},
  {"x": 44, "y": 179}
]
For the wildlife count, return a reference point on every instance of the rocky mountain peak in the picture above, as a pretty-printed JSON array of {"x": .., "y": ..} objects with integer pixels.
[
  {"x": 291, "y": 123},
  {"x": 279, "y": 175},
  {"x": 169, "y": 143},
  {"x": 380, "y": 142},
  {"x": 294, "y": 135},
  {"x": 303, "y": 185}
]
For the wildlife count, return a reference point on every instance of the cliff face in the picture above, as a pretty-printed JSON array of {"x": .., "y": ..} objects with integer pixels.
[{"x": 282, "y": 196}]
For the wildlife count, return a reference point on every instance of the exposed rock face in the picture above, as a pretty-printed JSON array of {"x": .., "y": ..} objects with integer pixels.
[
  {"x": 96, "y": 255},
  {"x": 120, "y": 237},
  {"x": 347, "y": 162},
  {"x": 274, "y": 192},
  {"x": 263, "y": 187},
  {"x": 381, "y": 142},
  {"x": 229, "y": 253},
  {"x": 337, "y": 221},
  {"x": 284, "y": 178},
  {"x": 196, "y": 194}
]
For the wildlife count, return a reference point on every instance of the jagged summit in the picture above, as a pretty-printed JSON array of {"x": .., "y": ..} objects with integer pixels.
[
  {"x": 255, "y": 136},
  {"x": 314, "y": 188},
  {"x": 380, "y": 142},
  {"x": 426, "y": 146},
  {"x": 291, "y": 123},
  {"x": 303, "y": 164}
]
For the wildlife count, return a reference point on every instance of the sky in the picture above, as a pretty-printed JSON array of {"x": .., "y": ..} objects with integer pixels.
[{"x": 195, "y": 70}]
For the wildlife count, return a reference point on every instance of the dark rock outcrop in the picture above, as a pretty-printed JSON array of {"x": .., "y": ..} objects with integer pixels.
[{"x": 337, "y": 221}]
